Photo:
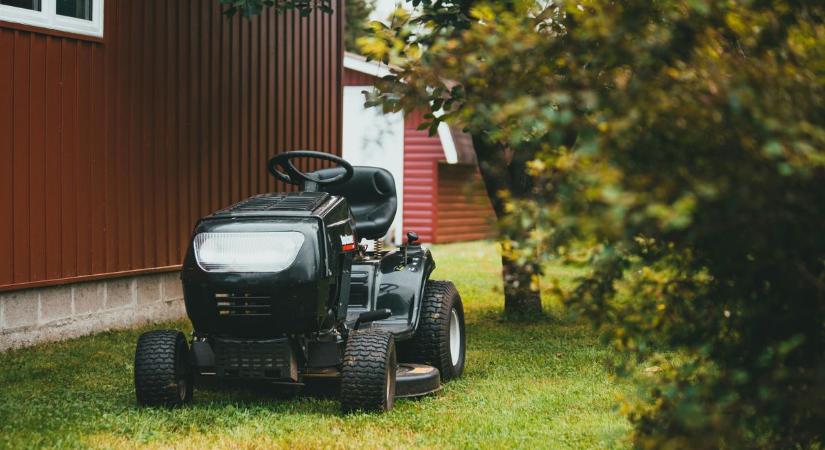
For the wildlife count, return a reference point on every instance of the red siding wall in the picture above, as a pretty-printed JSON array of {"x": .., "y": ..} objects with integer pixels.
[
  {"x": 355, "y": 78},
  {"x": 421, "y": 155},
  {"x": 111, "y": 149},
  {"x": 463, "y": 211}
]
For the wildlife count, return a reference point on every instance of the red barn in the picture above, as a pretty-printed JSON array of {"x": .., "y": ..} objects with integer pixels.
[
  {"x": 442, "y": 198},
  {"x": 122, "y": 123}
]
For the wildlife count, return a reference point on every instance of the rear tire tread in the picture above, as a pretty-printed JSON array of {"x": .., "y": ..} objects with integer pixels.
[{"x": 431, "y": 342}]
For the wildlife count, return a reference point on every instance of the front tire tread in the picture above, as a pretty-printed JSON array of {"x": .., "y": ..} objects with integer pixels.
[
  {"x": 368, "y": 356},
  {"x": 158, "y": 368}
]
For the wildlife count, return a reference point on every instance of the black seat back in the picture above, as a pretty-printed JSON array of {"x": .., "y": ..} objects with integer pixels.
[{"x": 371, "y": 197}]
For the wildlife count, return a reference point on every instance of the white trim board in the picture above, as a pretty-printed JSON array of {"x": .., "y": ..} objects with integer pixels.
[{"x": 360, "y": 64}]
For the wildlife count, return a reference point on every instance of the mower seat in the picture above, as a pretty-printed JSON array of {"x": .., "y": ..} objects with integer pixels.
[{"x": 371, "y": 197}]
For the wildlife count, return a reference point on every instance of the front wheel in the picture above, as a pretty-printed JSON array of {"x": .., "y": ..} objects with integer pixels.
[
  {"x": 162, "y": 373},
  {"x": 439, "y": 339},
  {"x": 368, "y": 373}
]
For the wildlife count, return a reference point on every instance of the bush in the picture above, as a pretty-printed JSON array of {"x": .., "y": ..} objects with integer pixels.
[{"x": 696, "y": 168}]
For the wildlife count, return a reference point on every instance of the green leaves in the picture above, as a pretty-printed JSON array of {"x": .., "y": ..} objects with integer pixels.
[
  {"x": 357, "y": 17},
  {"x": 683, "y": 143},
  {"x": 251, "y": 8}
]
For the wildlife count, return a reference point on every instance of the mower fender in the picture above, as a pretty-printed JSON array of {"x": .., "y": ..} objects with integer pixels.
[
  {"x": 401, "y": 281},
  {"x": 201, "y": 355}
]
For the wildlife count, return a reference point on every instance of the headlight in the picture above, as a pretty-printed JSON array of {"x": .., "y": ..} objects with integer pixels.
[{"x": 247, "y": 252}]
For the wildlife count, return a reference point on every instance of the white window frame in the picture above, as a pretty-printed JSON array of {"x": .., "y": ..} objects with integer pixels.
[{"x": 48, "y": 18}]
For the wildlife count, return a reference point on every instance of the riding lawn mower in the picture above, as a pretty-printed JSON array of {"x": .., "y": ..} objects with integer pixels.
[{"x": 280, "y": 290}]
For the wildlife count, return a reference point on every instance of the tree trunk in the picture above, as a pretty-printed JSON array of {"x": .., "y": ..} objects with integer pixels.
[{"x": 522, "y": 298}]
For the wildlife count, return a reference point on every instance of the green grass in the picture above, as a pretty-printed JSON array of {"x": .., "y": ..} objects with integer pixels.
[{"x": 539, "y": 385}]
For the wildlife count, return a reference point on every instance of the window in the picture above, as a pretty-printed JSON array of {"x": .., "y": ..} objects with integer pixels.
[
  {"x": 73, "y": 16},
  {"x": 34, "y": 5}
]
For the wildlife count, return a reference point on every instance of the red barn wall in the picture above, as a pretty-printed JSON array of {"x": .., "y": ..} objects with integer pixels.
[
  {"x": 355, "y": 78},
  {"x": 422, "y": 153},
  {"x": 112, "y": 148},
  {"x": 463, "y": 210}
]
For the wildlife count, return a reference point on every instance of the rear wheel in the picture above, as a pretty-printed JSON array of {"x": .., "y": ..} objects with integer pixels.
[
  {"x": 368, "y": 374},
  {"x": 439, "y": 339},
  {"x": 162, "y": 373}
]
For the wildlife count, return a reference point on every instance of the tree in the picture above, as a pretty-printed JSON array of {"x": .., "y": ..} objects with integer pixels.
[
  {"x": 421, "y": 85},
  {"x": 684, "y": 143},
  {"x": 250, "y": 8},
  {"x": 358, "y": 14}
]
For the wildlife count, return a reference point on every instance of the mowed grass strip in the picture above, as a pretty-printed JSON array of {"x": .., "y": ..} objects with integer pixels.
[{"x": 536, "y": 385}]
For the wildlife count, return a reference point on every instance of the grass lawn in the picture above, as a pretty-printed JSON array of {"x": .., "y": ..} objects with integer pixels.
[{"x": 542, "y": 385}]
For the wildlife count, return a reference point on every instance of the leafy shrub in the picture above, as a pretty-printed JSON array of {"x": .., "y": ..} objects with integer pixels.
[{"x": 685, "y": 139}]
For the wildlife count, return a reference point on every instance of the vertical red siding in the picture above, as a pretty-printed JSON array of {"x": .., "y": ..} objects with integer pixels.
[
  {"x": 37, "y": 158},
  {"x": 6, "y": 156},
  {"x": 53, "y": 137},
  {"x": 110, "y": 151},
  {"x": 20, "y": 134}
]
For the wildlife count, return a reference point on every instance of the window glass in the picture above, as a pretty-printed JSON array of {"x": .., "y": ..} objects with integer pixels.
[
  {"x": 80, "y": 9},
  {"x": 25, "y": 4},
  {"x": 72, "y": 16}
]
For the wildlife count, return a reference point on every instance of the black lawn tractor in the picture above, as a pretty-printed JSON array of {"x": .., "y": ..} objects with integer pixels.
[{"x": 281, "y": 291}]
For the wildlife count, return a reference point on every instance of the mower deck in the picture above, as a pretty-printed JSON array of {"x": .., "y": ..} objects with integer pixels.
[
  {"x": 411, "y": 380},
  {"x": 416, "y": 380}
]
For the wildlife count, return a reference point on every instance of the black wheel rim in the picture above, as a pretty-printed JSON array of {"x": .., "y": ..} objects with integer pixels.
[
  {"x": 389, "y": 394},
  {"x": 180, "y": 371}
]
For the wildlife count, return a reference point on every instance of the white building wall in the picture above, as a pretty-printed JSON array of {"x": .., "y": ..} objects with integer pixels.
[
  {"x": 383, "y": 9},
  {"x": 375, "y": 139}
]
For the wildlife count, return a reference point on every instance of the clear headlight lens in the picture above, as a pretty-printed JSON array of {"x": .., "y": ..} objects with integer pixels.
[{"x": 247, "y": 252}]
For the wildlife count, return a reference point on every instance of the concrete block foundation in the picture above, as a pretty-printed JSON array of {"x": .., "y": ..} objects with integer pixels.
[{"x": 33, "y": 316}]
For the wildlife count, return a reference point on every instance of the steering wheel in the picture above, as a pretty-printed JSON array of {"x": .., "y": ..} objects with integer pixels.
[{"x": 295, "y": 176}]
